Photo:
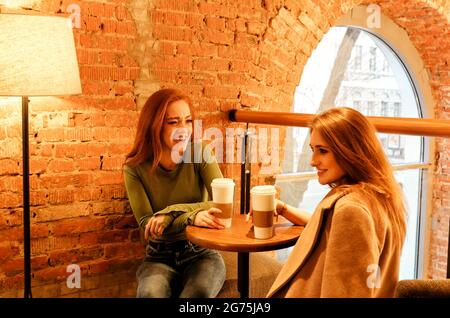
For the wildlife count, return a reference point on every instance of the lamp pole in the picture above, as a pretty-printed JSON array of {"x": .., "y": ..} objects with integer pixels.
[{"x": 26, "y": 198}]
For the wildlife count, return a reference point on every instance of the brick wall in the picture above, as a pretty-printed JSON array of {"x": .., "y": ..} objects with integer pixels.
[
  {"x": 226, "y": 55},
  {"x": 77, "y": 144}
]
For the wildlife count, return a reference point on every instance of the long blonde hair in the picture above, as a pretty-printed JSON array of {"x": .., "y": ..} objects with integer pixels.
[{"x": 353, "y": 141}]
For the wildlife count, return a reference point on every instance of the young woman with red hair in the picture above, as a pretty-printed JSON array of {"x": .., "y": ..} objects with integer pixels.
[{"x": 168, "y": 191}]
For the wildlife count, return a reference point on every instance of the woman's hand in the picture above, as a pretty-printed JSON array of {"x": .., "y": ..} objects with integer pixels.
[
  {"x": 207, "y": 218},
  {"x": 280, "y": 208},
  {"x": 155, "y": 226}
]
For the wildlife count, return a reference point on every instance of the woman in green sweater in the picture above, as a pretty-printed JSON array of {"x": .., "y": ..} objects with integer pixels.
[{"x": 168, "y": 181}]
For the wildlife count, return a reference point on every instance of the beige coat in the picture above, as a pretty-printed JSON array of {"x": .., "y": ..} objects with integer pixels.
[{"x": 346, "y": 250}]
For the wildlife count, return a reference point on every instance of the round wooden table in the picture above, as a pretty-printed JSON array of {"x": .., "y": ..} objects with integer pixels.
[{"x": 240, "y": 238}]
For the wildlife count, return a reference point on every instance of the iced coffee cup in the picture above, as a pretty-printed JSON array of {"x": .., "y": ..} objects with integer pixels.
[
  {"x": 263, "y": 207},
  {"x": 223, "y": 195}
]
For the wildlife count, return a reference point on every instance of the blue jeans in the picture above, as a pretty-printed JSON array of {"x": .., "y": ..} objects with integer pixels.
[{"x": 180, "y": 269}]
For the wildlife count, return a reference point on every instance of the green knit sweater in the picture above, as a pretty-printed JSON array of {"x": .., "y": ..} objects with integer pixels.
[{"x": 179, "y": 194}]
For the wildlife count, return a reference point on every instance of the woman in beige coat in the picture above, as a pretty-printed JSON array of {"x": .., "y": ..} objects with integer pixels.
[{"x": 351, "y": 245}]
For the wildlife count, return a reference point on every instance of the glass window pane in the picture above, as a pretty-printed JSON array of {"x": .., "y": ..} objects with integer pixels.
[{"x": 409, "y": 180}]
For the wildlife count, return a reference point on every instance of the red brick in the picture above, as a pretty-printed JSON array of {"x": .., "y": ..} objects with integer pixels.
[
  {"x": 246, "y": 39},
  {"x": 41, "y": 246},
  {"x": 77, "y": 150},
  {"x": 122, "y": 89},
  {"x": 88, "y": 194},
  {"x": 157, "y": 16},
  {"x": 15, "y": 282},
  {"x": 39, "y": 230},
  {"x": 197, "y": 49},
  {"x": 121, "y": 119},
  {"x": 13, "y": 131},
  {"x": 61, "y": 166},
  {"x": 11, "y": 234},
  {"x": 106, "y": 208},
  {"x": 87, "y": 57},
  {"x": 218, "y": 10},
  {"x": 176, "y": 5},
  {"x": 112, "y": 163},
  {"x": 121, "y": 13},
  {"x": 50, "y": 134},
  {"x": 181, "y": 62},
  {"x": 256, "y": 28},
  {"x": 65, "y": 180},
  {"x": 123, "y": 250},
  {"x": 224, "y": 92},
  {"x": 233, "y": 78},
  {"x": 172, "y": 33},
  {"x": 9, "y": 166},
  {"x": 91, "y": 23},
  {"x": 218, "y": 37},
  {"x": 74, "y": 256},
  {"x": 174, "y": 18},
  {"x": 112, "y": 133},
  {"x": 58, "y": 212},
  {"x": 211, "y": 64},
  {"x": 216, "y": 23},
  {"x": 51, "y": 274},
  {"x": 113, "y": 191},
  {"x": 194, "y": 20},
  {"x": 38, "y": 198},
  {"x": 11, "y": 183},
  {"x": 121, "y": 222},
  {"x": 38, "y": 165},
  {"x": 61, "y": 196},
  {"x": 126, "y": 27},
  {"x": 8, "y": 251},
  {"x": 100, "y": 237},
  {"x": 110, "y": 177},
  {"x": 85, "y": 164},
  {"x": 9, "y": 200},
  {"x": 12, "y": 267}
]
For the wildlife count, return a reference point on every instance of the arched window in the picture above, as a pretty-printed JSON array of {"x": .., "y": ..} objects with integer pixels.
[{"x": 354, "y": 67}]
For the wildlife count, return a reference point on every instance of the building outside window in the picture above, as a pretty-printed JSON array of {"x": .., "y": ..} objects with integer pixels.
[
  {"x": 373, "y": 59},
  {"x": 357, "y": 62},
  {"x": 370, "y": 108},
  {"x": 384, "y": 108},
  {"x": 397, "y": 109}
]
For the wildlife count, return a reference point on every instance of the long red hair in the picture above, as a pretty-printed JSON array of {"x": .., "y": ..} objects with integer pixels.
[
  {"x": 147, "y": 143},
  {"x": 353, "y": 141}
]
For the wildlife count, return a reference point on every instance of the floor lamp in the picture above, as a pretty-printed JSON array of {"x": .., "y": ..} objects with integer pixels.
[{"x": 37, "y": 58}]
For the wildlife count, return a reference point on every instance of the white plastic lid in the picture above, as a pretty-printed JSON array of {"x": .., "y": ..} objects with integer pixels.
[
  {"x": 222, "y": 182},
  {"x": 263, "y": 190}
]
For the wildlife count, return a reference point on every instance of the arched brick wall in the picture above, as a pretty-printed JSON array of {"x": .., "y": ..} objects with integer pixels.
[{"x": 226, "y": 55}]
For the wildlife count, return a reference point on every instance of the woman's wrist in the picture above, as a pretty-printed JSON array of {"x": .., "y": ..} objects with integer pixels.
[{"x": 284, "y": 209}]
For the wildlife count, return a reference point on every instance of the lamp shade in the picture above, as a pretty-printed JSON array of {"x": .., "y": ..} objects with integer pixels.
[{"x": 37, "y": 56}]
